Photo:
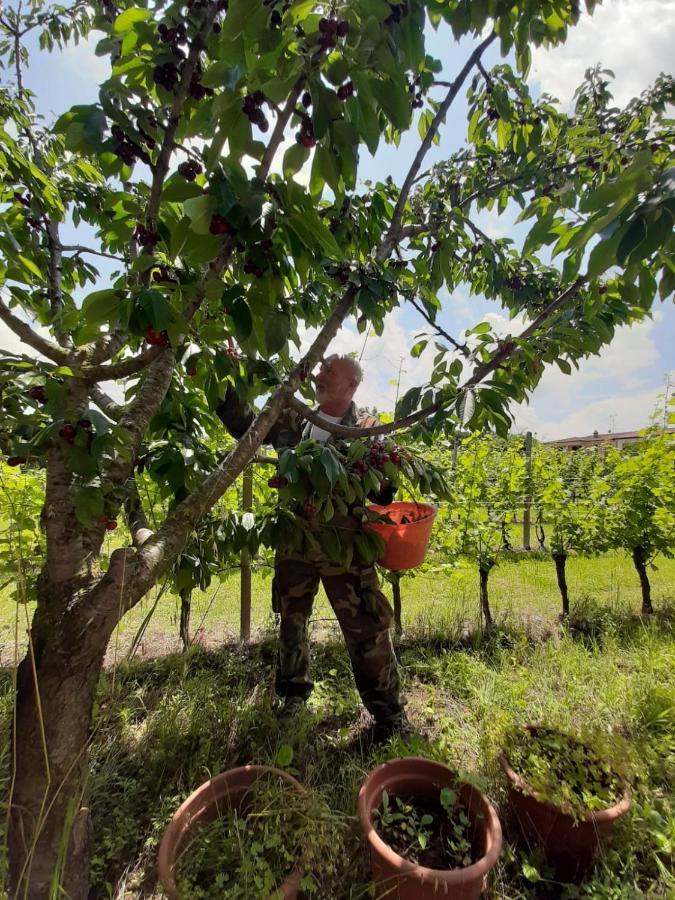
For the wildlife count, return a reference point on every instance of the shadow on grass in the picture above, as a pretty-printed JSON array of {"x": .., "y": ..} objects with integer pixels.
[{"x": 592, "y": 622}]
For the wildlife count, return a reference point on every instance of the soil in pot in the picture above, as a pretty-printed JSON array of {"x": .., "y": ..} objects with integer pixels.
[
  {"x": 431, "y": 831},
  {"x": 247, "y": 852}
]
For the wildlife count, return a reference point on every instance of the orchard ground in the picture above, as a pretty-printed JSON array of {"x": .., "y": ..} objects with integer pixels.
[{"x": 164, "y": 723}]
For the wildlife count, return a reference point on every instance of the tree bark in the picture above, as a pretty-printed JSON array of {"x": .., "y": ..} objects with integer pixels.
[
  {"x": 640, "y": 563},
  {"x": 49, "y": 829},
  {"x": 185, "y": 607},
  {"x": 484, "y": 573},
  {"x": 560, "y": 560},
  {"x": 396, "y": 589}
]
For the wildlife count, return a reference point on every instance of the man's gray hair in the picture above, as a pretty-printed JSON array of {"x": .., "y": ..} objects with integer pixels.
[{"x": 353, "y": 362}]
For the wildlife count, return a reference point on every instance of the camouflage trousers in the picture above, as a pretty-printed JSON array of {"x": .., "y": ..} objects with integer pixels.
[{"x": 364, "y": 615}]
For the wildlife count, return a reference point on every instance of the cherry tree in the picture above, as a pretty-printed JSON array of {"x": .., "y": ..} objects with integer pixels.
[{"x": 201, "y": 259}]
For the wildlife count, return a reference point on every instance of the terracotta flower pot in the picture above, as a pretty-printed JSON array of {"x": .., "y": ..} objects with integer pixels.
[
  {"x": 397, "y": 878},
  {"x": 405, "y": 545},
  {"x": 225, "y": 790},
  {"x": 569, "y": 843}
]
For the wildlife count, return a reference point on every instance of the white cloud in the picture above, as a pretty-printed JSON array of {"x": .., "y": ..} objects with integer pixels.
[
  {"x": 81, "y": 59},
  {"x": 618, "y": 389},
  {"x": 634, "y": 38},
  {"x": 11, "y": 344}
]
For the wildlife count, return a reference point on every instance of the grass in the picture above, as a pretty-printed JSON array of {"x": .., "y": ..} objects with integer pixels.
[
  {"x": 525, "y": 587},
  {"x": 163, "y": 726}
]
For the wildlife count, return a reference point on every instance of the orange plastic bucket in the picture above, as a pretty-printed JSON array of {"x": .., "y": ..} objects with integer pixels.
[{"x": 405, "y": 543}]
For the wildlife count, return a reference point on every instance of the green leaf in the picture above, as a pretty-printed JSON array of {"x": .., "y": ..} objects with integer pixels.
[
  {"x": 418, "y": 349},
  {"x": 330, "y": 464},
  {"x": 242, "y": 318},
  {"x": 636, "y": 233},
  {"x": 284, "y": 756},
  {"x": 394, "y": 99},
  {"x": 294, "y": 159},
  {"x": 129, "y": 18},
  {"x": 277, "y": 329},
  {"x": 101, "y": 306},
  {"x": 314, "y": 235}
]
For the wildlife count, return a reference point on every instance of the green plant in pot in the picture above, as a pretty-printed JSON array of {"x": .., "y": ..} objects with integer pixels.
[
  {"x": 429, "y": 834},
  {"x": 250, "y": 834},
  {"x": 566, "y": 792}
]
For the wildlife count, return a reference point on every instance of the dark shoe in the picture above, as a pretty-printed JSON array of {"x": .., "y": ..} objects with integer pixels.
[
  {"x": 397, "y": 726},
  {"x": 290, "y": 709}
]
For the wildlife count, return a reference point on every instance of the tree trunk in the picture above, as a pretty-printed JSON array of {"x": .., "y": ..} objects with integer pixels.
[
  {"x": 185, "y": 606},
  {"x": 49, "y": 830},
  {"x": 484, "y": 572},
  {"x": 560, "y": 560},
  {"x": 640, "y": 563},
  {"x": 396, "y": 590}
]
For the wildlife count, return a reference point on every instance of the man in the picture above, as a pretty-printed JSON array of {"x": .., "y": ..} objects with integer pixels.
[{"x": 363, "y": 612}]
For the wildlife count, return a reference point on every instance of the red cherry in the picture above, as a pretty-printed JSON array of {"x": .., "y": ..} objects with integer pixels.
[
  {"x": 395, "y": 458},
  {"x": 191, "y": 371},
  {"x": 38, "y": 393},
  {"x": 342, "y": 29},
  {"x": 16, "y": 460},
  {"x": 111, "y": 525},
  {"x": 68, "y": 433},
  {"x": 310, "y": 509},
  {"x": 602, "y": 289},
  {"x": 84, "y": 423},
  {"x": 220, "y": 225}
]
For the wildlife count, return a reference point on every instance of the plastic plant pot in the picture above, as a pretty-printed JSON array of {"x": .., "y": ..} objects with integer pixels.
[
  {"x": 397, "y": 878},
  {"x": 203, "y": 806}
]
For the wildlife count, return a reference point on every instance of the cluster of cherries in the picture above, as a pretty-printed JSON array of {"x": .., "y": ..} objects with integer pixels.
[
  {"x": 220, "y": 225},
  {"x": 331, "y": 30},
  {"x": 157, "y": 338},
  {"x": 38, "y": 393},
  {"x": 346, "y": 90},
  {"x": 492, "y": 114},
  {"x": 189, "y": 169},
  {"x": 378, "y": 456},
  {"x": 110, "y": 524},
  {"x": 146, "y": 237},
  {"x": 515, "y": 283},
  {"x": 277, "y": 481},
  {"x": 127, "y": 150},
  {"x": 305, "y": 137},
  {"x": 69, "y": 431},
  {"x": 252, "y": 108},
  {"x": 414, "y": 88}
]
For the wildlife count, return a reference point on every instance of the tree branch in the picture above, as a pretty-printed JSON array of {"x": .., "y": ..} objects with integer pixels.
[
  {"x": 124, "y": 368},
  {"x": 506, "y": 350},
  {"x": 43, "y": 345},
  {"x": 137, "y": 414},
  {"x": 161, "y": 167},
  {"x": 157, "y": 553},
  {"x": 136, "y": 518},
  {"x": 393, "y": 232},
  {"x": 105, "y": 403},
  {"x": 217, "y": 265},
  {"x": 78, "y": 251},
  {"x": 463, "y": 348}
]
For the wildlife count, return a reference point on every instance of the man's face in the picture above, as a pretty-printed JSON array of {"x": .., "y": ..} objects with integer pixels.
[{"x": 335, "y": 382}]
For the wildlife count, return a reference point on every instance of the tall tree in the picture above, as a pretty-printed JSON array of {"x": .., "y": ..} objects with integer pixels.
[{"x": 184, "y": 171}]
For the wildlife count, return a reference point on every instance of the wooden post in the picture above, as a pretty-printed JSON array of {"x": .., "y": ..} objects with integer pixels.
[
  {"x": 245, "y": 562},
  {"x": 528, "y": 491}
]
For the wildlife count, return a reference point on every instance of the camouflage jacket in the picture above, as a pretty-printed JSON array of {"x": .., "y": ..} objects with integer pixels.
[{"x": 289, "y": 429}]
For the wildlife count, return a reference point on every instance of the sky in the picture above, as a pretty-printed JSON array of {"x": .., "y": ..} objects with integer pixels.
[{"x": 617, "y": 390}]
